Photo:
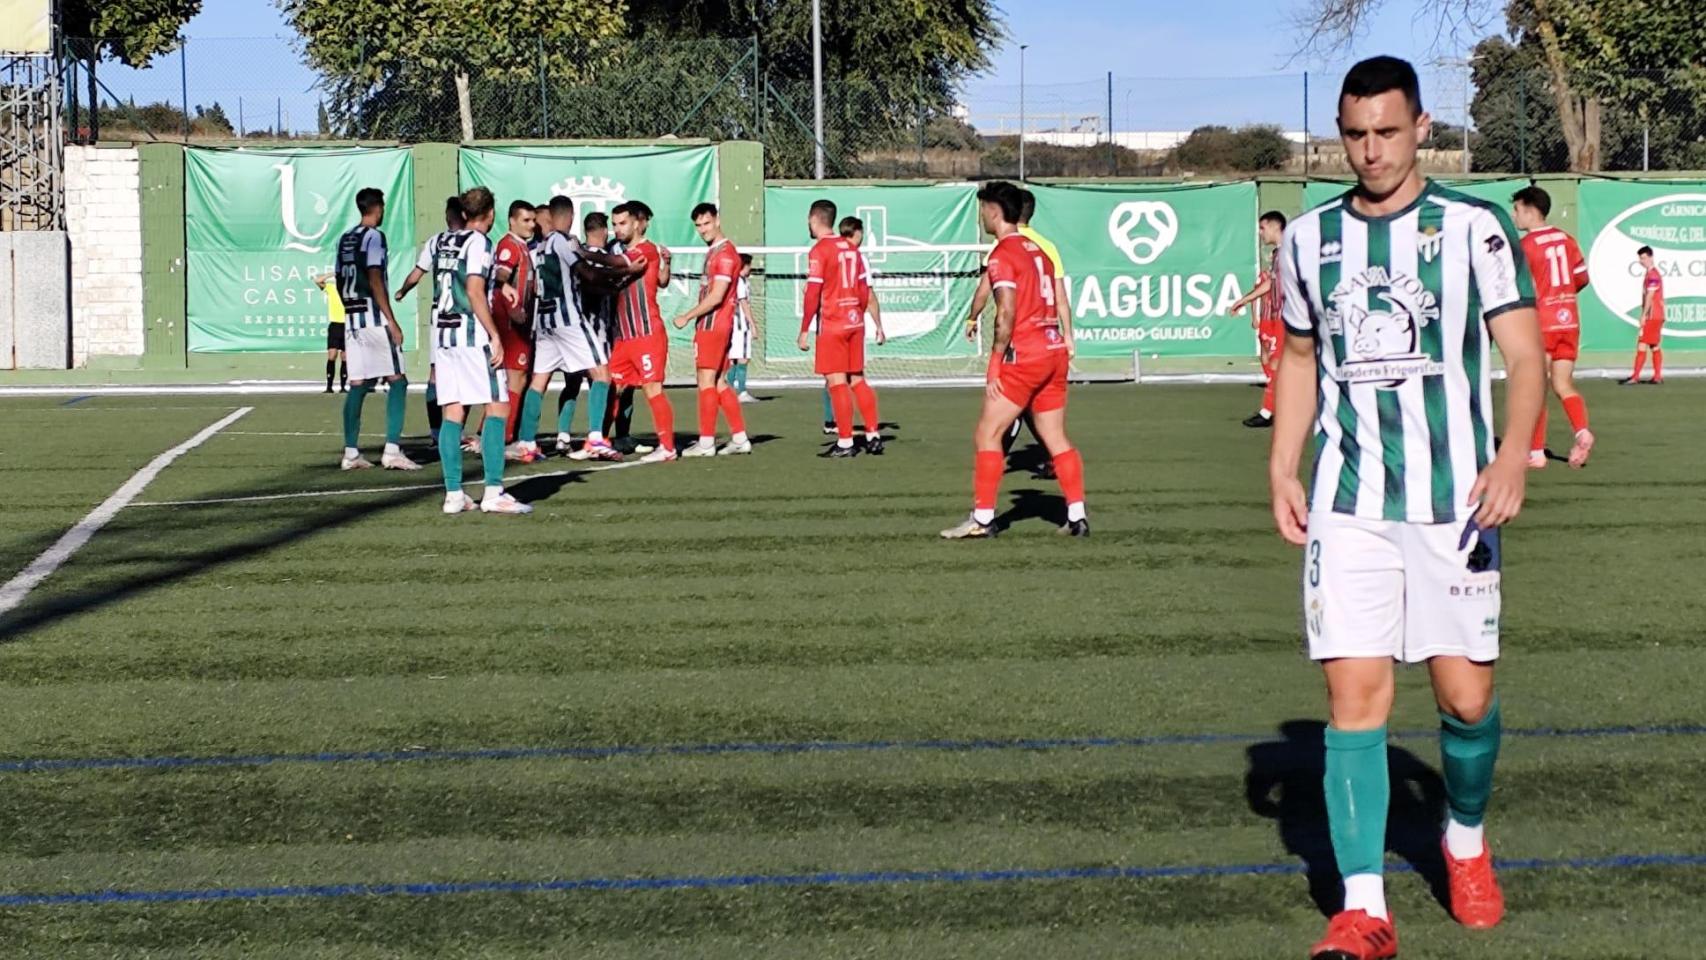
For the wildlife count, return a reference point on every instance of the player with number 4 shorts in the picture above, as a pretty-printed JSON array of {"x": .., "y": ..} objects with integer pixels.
[{"x": 1393, "y": 296}]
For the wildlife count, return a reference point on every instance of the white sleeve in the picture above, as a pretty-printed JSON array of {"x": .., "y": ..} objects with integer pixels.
[
  {"x": 479, "y": 256},
  {"x": 1294, "y": 302},
  {"x": 373, "y": 249},
  {"x": 1499, "y": 273},
  {"x": 424, "y": 261}
]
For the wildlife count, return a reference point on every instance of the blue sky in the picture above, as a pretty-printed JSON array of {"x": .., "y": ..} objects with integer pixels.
[{"x": 1221, "y": 61}]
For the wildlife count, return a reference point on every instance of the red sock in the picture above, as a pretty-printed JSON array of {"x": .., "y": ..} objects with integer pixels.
[
  {"x": 841, "y": 400},
  {"x": 731, "y": 409},
  {"x": 867, "y": 398},
  {"x": 1640, "y": 361},
  {"x": 663, "y": 418},
  {"x": 1539, "y": 432},
  {"x": 1069, "y": 467},
  {"x": 1577, "y": 410},
  {"x": 512, "y": 425},
  {"x": 986, "y": 479},
  {"x": 707, "y": 411},
  {"x": 1658, "y": 365}
]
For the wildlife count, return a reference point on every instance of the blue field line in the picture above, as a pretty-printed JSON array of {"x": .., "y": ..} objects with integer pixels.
[
  {"x": 78, "y": 399},
  {"x": 740, "y": 881},
  {"x": 48, "y": 764}
]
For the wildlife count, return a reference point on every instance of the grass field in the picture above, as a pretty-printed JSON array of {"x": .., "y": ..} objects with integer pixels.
[{"x": 755, "y": 709}]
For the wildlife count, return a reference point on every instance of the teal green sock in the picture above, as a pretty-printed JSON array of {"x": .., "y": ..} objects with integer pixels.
[
  {"x": 828, "y": 409},
  {"x": 396, "y": 407},
  {"x": 352, "y": 413},
  {"x": 597, "y": 401},
  {"x": 1468, "y": 752},
  {"x": 450, "y": 454},
  {"x": 528, "y": 429},
  {"x": 737, "y": 378},
  {"x": 492, "y": 448},
  {"x": 1358, "y": 795},
  {"x": 566, "y": 415}
]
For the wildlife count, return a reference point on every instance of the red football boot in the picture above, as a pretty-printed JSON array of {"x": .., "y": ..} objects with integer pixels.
[
  {"x": 1476, "y": 900},
  {"x": 1354, "y": 935}
]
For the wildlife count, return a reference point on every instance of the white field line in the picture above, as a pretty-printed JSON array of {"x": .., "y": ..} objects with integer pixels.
[
  {"x": 42, "y": 567},
  {"x": 510, "y": 480}
]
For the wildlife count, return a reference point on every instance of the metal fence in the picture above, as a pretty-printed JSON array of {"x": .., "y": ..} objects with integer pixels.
[{"x": 218, "y": 89}]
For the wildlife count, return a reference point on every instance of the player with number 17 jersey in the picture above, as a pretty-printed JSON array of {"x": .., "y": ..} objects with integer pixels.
[{"x": 1034, "y": 371}]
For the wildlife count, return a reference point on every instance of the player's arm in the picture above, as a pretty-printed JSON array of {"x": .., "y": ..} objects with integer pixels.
[
  {"x": 381, "y": 295},
  {"x": 979, "y": 300},
  {"x": 423, "y": 266},
  {"x": 1263, "y": 284},
  {"x": 1507, "y": 291},
  {"x": 1294, "y": 403},
  {"x": 817, "y": 268},
  {"x": 1063, "y": 313},
  {"x": 1006, "y": 312},
  {"x": 483, "y": 315},
  {"x": 1648, "y": 289},
  {"x": 708, "y": 303}
]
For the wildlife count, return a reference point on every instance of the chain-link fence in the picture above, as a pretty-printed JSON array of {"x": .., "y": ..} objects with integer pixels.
[{"x": 220, "y": 89}]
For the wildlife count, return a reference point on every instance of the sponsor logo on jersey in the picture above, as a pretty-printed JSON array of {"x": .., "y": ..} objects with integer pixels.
[{"x": 1382, "y": 340}]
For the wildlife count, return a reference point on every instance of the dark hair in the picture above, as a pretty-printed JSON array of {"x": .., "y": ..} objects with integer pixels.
[
  {"x": 1644, "y": 252},
  {"x": 1027, "y": 205},
  {"x": 746, "y": 259},
  {"x": 1004, "y": 195},
  {"x": 477, "y": 202},
  {"x": 369, "y": 199},
  {"x": 517, "y": 206},
  {"x": 596, "y": 221},
  {"x": 850, "y": 226},
  {"x": 542, "y": 206},
  {"x": 703, "y": 209},
  {"x": 453, "y": 204},
  {"x": 1378, "y": 75},
  {"x": 1534, "y": 197},
  {"x": 638, "y": 209},
  {"x": 823, "y": 210},
  {"x": 1273, "y": 216},
  {"x": 563, "y": 207}
]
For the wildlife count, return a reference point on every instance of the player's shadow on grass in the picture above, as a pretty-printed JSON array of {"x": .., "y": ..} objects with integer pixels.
[
  {"x": 1031, "y": 504},
  {"x": 267, "y": 526},
  {"x": 1283, "y": 783}
]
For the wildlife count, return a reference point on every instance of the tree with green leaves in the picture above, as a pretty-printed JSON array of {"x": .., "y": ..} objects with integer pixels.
[
  {"x": 395, "y": 67},
  {"x": 130, "y": 31}
]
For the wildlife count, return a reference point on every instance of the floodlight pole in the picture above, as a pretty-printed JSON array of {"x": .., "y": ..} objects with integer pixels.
[{"x": 817, "y": 83}]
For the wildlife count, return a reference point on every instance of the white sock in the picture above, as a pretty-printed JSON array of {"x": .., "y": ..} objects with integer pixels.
[
  {"x": 1075, "y": 511},
  {"x": 1266, "y": 413},
  {"x": 738, "y": 438},
  {"x": 1464, "y": 842},
  {"x": 873, "y": 435},
  {"x": 595, "y": 436},
  {"x": 1366, "y": 891},
  {"x": 984, "y": 517},
  {"x": 846, "y": 444},
  {"x": 392, "y": 449},
  {"x": 707, "y": 441},
  {"x": 351, "y": 453},
  {"x": 494, "y": 491}
]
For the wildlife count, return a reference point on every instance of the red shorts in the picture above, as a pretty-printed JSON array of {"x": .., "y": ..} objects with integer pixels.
[
  {"x": 1038, "y": 385},
  {"x": 842, "y": 352},
  {"x": 638, "y": 362},
  {"x": 711, "y": 349},
  {"x": 1562, "y": 344},
  {"x": 518, "y": 352},
  {"x": 1652, "y": 331}
]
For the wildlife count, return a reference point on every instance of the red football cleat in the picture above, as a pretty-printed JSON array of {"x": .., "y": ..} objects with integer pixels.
[
  {"x": 1476, "y": 900},
  {"x": 1354, "y": 935}
]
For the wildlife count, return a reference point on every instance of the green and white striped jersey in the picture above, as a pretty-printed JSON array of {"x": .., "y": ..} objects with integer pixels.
[
  {"x": 360, "y": 248},
  {"x": 458, "y": 256},
  {"x": 1399, "y": 306}
]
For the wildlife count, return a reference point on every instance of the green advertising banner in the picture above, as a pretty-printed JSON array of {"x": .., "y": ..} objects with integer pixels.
[
  {"x": 924, "y": 293},
  {"x": 259, "y": 224},
  {"x": 1618, "y": 218},
  {"x": 670, "y": 180},
  {"x": 1154, "y": 269},
  {"x": 1317, "y": 192}
]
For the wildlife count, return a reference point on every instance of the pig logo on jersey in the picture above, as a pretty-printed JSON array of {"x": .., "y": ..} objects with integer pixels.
[
  {"x": 1380, "y": 317},
  {"x": 590, "y": 194},
  {"x": 305, "y": 242},
  {"x": 1143, "y": 229}
]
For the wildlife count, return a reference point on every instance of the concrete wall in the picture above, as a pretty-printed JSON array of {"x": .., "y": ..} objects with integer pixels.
[{"x": 103, "y": 215}]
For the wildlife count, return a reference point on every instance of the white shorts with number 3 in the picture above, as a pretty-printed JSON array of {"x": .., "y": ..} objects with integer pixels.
[{"x": 1409, "y": 591}]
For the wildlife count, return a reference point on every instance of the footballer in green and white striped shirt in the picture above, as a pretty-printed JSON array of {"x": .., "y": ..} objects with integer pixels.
[{"x": 1394, "y": 295}]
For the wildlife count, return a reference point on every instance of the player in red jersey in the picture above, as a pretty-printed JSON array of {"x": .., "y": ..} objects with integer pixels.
[
  {"x": 641, "y": 352},
  {"x": 512, "y": 306},
  {"x": 1652, "y": 320},
  {"x": 1268, "y": 324},
  {"x": 1559, "y": 274},
  {"x": 837, "y": 294},
  {"x": 1027, "y": 367},
  {"x": 713, "y": 318}
]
